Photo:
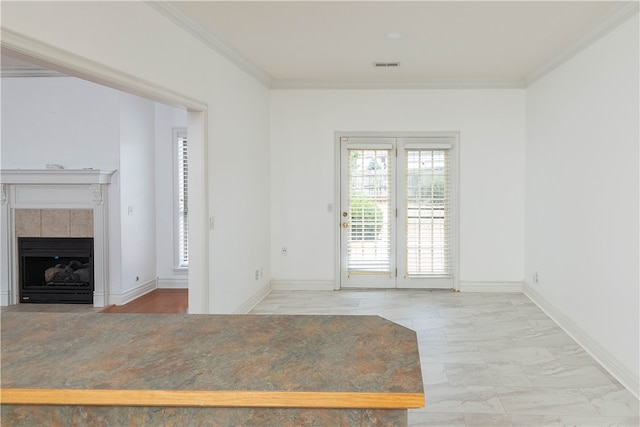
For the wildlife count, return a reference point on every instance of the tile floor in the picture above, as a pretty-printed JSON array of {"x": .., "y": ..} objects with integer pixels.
[{"x": 487, "y": 359}]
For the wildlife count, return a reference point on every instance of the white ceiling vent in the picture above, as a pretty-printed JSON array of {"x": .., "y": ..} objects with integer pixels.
[{"x": 386, "y": 64}]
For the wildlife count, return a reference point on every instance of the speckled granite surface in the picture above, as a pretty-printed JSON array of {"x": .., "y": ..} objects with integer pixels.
[
  {"x": 63, "y": 416},
  {"x": 208, "y": 352},
  {"x": 364, "y": 354}
]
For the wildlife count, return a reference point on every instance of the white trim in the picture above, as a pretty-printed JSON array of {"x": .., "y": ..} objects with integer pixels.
[
  {"x": 618, "y": 15},
  {"x": 254, "y": 300},
  {"x": 40, "y": 53},
  {"x": 4, "y": 298},
  {"x": 6, "y": 225},
  {"x": 427, "y": 145},
  {"x": 203, "y": 35},
  {"x": 337, "y": 259},
  {"x": 55, "y": 189},
  {"x": 56, "y": 176},
  {"x": 455, "y": 213},
  {"x": 627, "y": 378},
  {"x": 367, "y": 146},
  {"x": 200, "y": 282},
  {"x": 134, "y": 293},
  {"x": 46, "y": 55},
  {"x": 29, "y": 72},
  {"x": 200, "y": 33},
  {"x": 475, "y": 286},
  {"x": 285, "y": 84},
  {"x": 172, "y": 283},
  {"x": 303, "y": 285}
]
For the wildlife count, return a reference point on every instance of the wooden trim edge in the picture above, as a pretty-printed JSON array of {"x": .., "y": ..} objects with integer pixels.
[{"x": 204, "y": 398}]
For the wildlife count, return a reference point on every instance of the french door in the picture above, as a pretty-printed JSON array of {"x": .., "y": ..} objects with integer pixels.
[{"x": 396, "y": 212}]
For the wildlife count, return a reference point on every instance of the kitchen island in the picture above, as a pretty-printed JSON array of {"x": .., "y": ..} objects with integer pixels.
[{"x": 151, "y": 369}]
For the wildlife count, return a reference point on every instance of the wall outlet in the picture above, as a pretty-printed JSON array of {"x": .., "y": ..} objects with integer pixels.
[
  {"x": 535, "y": 277},
  {"x": 257, "y": 272},
  {"x": 283, "y": 251}
]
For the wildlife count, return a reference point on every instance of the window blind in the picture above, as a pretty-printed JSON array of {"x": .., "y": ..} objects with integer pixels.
[
  {"x": 369, "y": 189},
  {"x": 427, "y": 207},
  {"x": 183, "y": 201}
]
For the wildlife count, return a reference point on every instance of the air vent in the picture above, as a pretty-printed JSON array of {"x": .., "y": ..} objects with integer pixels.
[{"x": 386, "y": 64}]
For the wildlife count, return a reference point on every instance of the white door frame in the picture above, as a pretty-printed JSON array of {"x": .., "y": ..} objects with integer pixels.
[
  {"x": 197, "y": 111},
  {"x": 455, "y": 217},
  {"x": 384, "y": 281}
]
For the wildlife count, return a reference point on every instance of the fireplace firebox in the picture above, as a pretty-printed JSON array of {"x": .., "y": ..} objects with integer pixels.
[{"x": 56, "y": 270}]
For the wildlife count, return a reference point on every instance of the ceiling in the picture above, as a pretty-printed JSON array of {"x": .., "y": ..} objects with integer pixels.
[
  {"x": 441, "y": 43},
  {"x": 333, "y": 43}
]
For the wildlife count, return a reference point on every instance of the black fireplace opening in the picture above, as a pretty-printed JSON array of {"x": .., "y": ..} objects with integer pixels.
[{"x": 56, "y": 270}]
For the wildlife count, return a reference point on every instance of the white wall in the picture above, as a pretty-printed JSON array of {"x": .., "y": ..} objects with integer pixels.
[
  {"x": 491, "y": 126},
  {"x": 239, "y": 167},
  {"x": 137, "y": 192},
  {"x": 236, "y": 123},
  {"x": 79, "y": 124},
  {"x": 166, "y": 119},
  {"x": 66, "y": 121},
  {"x": 59, "y": 120},
  {"x": 582, "y": 214}
]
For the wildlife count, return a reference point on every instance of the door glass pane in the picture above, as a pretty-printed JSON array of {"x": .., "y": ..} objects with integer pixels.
[
  {"x": 369, "y": 187},
  {"x": 427, "y": 210}
]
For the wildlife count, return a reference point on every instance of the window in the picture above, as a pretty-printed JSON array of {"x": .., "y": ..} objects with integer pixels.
[
  {"x": 182, "y": 197},
  {"x": 398, "y": 211},
  {"x": 428, "y": 218}
]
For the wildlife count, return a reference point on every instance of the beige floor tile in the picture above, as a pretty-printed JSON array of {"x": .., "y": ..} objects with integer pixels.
[{"x": 487, "y": 359}]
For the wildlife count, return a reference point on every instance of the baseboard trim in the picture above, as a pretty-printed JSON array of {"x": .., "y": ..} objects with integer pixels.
[
  {"x": 134, "y": 293},
  {"x": 173, "y": 283},
  {"x": 490, "y": 287},
  {"x": 627, "y": 378},
  {"x": 303, "y": 285},
  {"x": 4, "y": 299},
  {"x": 254, "y": 300}
]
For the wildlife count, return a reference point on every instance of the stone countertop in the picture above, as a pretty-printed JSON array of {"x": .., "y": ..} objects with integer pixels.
[{"x": 225, "y": 353}]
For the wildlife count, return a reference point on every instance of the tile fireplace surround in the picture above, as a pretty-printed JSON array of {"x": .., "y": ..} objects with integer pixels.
[{"x": 53, "y": 203}]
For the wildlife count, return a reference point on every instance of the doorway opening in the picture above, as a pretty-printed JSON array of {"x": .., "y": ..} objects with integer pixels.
[{"x": 398, "y": 210}]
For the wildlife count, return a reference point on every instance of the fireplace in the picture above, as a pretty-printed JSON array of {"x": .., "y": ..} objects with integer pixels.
[
  {"x": 70, "y": 203},
  {"x": 56, "y": 270}
]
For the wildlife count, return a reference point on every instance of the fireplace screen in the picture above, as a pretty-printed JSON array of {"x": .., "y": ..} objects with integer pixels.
[{"x": 56, "y": 270}]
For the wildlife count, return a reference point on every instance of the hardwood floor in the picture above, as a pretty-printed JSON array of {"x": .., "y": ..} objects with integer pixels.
[{"x": 170, "y": 301}]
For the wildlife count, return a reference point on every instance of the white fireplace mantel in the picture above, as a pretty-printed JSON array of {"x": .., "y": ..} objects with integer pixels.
[
  {"x": 54, "y": 189},
  {"x": 55, "y": 176}
]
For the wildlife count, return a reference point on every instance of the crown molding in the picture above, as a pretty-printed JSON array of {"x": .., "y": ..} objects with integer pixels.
[
  {"x": 181, "y": 19},
  {"x": 196, "y": 30},
  {"x": 29, "y": 72},
  {"x": 618, "y": 15},
  {"x": 621, "y": 13},
  {"x": 407, "y": 84}
]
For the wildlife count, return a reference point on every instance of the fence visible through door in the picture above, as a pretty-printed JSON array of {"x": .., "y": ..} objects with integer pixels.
[{"x": 397, "y": 212}]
